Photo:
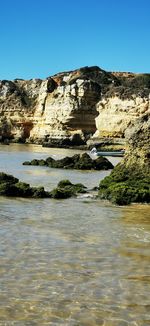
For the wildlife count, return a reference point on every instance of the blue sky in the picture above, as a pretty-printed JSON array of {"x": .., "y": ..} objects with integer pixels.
[{"x": 39, "y": 38}]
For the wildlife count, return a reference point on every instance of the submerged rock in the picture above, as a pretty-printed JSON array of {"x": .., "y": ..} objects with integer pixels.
[{"x": 80, "y": 162}]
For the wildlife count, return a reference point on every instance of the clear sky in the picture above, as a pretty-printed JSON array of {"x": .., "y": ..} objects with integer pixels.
[{"x": 39, "y": 38}]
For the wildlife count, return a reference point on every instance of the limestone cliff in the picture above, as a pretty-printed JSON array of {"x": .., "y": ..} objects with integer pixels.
[
  {"x": 120, "y": 106},
  {"x": 86, "y": 102},
  {"x": 138, "y": 139}
]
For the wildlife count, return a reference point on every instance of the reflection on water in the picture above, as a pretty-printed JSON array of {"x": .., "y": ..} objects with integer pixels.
[{"x": 76, "y": 262}]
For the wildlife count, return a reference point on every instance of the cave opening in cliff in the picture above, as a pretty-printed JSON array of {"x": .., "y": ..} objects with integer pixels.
[{"x": 27, "y": 127}]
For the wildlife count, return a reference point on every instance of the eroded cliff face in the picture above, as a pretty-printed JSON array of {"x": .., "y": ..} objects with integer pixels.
[
  {"x": 116, "y": 114},
  {"x": 87, "y": 102},
  {"x": 138, "y": 139},
  {"x": 69, "y": 109},
  {"x": 121, "y": 105},
  {"x": 57, "y": 107},
  {"x": 17, "y": 106}
]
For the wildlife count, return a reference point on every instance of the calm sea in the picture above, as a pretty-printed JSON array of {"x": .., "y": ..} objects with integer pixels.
[{"x": 73, "y": 262}]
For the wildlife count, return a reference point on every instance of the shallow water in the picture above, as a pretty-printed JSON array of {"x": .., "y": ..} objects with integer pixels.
[
  {"x": 12, "y": 157},
  {"x": 70, "y": 262}
]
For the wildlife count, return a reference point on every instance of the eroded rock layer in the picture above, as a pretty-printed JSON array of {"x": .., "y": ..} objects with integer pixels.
[{"x": 72, "y": 106}]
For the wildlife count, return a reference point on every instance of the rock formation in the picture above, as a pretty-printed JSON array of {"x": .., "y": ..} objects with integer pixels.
[
  {"x": 138, "y": 140},
  {"x": 71, "y": 107},
  {"x": 116, "y": 114},
  {"x": 79, "y": 162},
  {"x": 12, "y": 187},
  {"x": 130, "y": 180}
]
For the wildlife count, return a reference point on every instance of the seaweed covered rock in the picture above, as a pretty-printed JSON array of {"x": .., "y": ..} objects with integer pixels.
[
  {"x": 130, "y": 180},
  {"x": 126, "y": 185},
  {"x": 80, "y": 162},
  {"x": 7, "y": 178},
  {"x": 11, "y": 186},
  {"x": 66, "y": 189}
]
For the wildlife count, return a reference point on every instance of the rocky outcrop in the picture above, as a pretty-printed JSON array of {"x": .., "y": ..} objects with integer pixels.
[
  {"x": 80, "y": 162},
  {"x": 71, "y": 107},
  {"x": 130, "y": 180},
  {"x": 12, "y": 187},
  {"x": 66, "y": 189}
]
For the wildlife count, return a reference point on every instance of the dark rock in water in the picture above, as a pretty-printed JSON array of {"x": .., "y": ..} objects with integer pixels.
[
  {"x": 59, "y": 193},
  {"x": 7, "y": 178},
  {"x": 11, "y": 186},
  {"x": 42, "y": 162},
  {"x": 76, "y": 188},
  {"x": 84, "y": 162},
  {"x": 66, "y": 189},
  {"x": 40, "y": 193},
  {"x": 101, "y": 163},
  {"x": 35, "y": 162},
  {"x": 64, "y": 183},
  {"x": 49, "y": 161},
  {"x": 80, "y": 162},
  {"x": 66, "y": 163},
  {"x": 26, "y": 163}
]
